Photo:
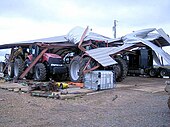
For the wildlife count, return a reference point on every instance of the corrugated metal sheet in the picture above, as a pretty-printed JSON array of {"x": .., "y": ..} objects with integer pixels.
[
  {"x": 147, "y": 38},
  {"x": 98, "y": 37},
  {"x": 55, "y": 39},
  {"x": 147, "y": 34},
  {"x": 166, "y": 42},
  {"x": 102, "y": 55},
  {"x": 157, "y": 49},
  {"x": 76, "y": 33}
]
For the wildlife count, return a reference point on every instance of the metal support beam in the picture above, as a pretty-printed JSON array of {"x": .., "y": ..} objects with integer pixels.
[
  {"x": 82, "y": 38},
  {"x": 162, "y": 61},
  {"x": 33, "y": 63}
]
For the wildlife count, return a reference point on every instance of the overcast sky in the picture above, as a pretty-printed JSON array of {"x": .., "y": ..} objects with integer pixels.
[{"x": 32, "y": 19}]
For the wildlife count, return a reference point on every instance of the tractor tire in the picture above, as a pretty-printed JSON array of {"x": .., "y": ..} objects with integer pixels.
[
  {"x": 152, "y": 72},
  {"x": 163, "y": 72},
  {"x": 29, "y": 75},
  {"x": 77, "y": 66},
  {"x": 40, "y": 72},
  {"x": 18, "y": 68},
  {"x": 2, "y": 65},
  {"x": 120, "y": 69},
  {"x": 75, "y": 70},
  {"x": 10, "y": 70},
  {"x": 168, "y": 102}
]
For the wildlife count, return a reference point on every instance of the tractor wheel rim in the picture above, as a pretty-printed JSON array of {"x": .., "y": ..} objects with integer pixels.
[
  {"x": 75, "y": 68},
  {"x": 16, "y": 70},
  {"x": 162, "y": 73},
  {"x": 152, "y": 73},
  {"x": 1, "y": 68},
  {"x": 9, "y": 70}
]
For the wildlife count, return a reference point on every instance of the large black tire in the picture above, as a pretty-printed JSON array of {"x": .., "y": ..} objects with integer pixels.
[
  {"x": 18, "y": 68},
  {"x": 153, "y": 72},
  {"x": 10, "y": 70},
  {"x": 120, "y": 69},
  {"x": 74, "y": 69},
  {"x": 2, "y": 65},
  {"x": 168, "y": 102},
  {"x": 29, "y": 75},
  {"x": 40, "y": 72},
  {"x": 163, "y": 72},
  {"x": 77, "y": 66}
]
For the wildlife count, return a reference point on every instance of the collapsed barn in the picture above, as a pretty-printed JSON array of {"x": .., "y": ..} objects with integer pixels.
[{"x": 71, "y": 56}]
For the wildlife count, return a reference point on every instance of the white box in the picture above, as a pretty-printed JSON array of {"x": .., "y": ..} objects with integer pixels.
[{"x": 99, "y": 79}]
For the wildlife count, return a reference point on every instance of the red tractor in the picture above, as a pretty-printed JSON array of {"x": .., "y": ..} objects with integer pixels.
[{"x": 48, "y": 66}]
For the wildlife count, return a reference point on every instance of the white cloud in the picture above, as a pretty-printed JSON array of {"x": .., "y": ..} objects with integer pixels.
[
  {"x": 23, "y": 20},
  {"x": 19, "y": 29}
]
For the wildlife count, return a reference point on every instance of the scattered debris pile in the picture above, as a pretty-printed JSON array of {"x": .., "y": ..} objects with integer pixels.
[{"x": 51, "y": 89}]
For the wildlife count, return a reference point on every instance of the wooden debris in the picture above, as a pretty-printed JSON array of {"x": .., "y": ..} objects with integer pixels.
[
  {"x": 46, "y": 89},
  {"x": 45, "y": 94},
  {"x": 13, "y": 87},
  {"x": 115, "y": 97}
]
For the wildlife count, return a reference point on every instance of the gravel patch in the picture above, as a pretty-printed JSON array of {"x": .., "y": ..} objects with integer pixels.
[{"x": 120, "y": 107}]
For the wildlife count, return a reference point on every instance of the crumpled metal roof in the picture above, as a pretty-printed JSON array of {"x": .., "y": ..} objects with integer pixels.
[
  {"x": 75, "y": 34},
  {"x": 102, "y": 55},
  {"x": 147, "y": 35},
  {"x": 72, "y": 37},
  {"x": 55, "y": 39}
]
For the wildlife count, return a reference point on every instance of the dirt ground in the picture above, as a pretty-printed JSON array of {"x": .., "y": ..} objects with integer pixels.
[{"x": 135, "y": 102}]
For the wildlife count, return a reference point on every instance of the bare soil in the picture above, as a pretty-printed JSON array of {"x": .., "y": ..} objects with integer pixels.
[{"x": 135, "y": 102}]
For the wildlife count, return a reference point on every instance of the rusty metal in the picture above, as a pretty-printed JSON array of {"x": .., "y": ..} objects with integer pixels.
[
  {"x": 91, "y": 69},
  {"x": 158, "y": 43},
  {"x": 33, "y": 63},
  {"x": 81, "y": 85},
  {"x": 50, "y": 45},
  {"x": 87, "y": 64},
  {"x": 81, "y": 40},
  {"x": 85, "y": 70}
]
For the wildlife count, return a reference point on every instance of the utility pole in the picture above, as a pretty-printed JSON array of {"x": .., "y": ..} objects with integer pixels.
[{"x": 114, "y": 28}]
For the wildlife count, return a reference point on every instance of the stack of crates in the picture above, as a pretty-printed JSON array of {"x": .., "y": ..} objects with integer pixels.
[{"x": 99, "y": 80}]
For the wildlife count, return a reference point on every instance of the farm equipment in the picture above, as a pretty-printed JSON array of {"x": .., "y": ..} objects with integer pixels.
[
  {"x": 7, "y": 67},
  {"x": 48, "y": 65},
  {"x": 82, "y": 51},
  {"x": 111, "y": 54},
  {"x": 140, "y": 62},
  {"x": 83, "y": 63}
]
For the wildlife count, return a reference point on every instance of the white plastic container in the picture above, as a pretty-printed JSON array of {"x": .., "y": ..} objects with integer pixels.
[{"x": 98, "y": 80}]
